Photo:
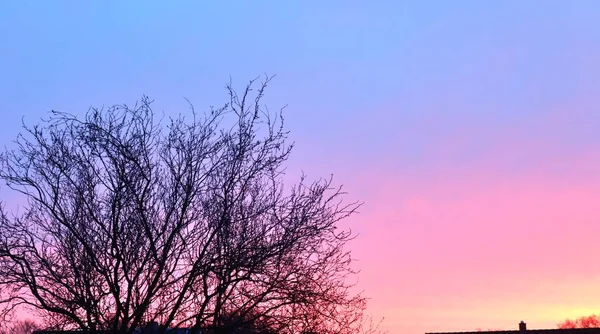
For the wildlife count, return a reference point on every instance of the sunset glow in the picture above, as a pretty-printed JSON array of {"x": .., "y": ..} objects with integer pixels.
[{"x": 469, "y": 129}]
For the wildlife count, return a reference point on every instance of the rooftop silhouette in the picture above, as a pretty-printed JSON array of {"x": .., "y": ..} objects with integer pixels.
[{"x": 523, "y": 329}]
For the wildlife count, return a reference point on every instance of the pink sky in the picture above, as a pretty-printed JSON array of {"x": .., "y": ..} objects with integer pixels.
[{"x": 507, "y": 234}]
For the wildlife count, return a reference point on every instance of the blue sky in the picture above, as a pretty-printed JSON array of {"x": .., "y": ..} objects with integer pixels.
[{"x": 341, "y": 63}]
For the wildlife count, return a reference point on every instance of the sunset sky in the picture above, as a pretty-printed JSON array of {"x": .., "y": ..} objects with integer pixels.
[{"x": 470, "y": 129}]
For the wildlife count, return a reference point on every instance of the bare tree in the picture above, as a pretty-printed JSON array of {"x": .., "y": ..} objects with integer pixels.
[
  {"x": 19, "y": 327},
  {"x": 590, "y": 321},
  {"x": 129, "y": 220}
]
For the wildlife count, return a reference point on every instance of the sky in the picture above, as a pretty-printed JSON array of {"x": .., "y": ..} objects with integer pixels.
[{"x": 468, "y": 128}]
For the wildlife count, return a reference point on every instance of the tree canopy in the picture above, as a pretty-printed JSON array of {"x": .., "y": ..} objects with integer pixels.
[
  {"x": 590, "y": 321},
  {"x": 186, "y": 222}
]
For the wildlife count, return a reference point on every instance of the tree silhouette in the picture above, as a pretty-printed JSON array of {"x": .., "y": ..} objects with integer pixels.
[
  {"x": 235, "y": 323},
  {"x": 130, "y": 221},
  {"x": 19, "y": 327},
  {"x": 591, "y": 321}
]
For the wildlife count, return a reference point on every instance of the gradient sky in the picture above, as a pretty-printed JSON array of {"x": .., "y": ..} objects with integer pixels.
[{"x": 468, "y": 128}]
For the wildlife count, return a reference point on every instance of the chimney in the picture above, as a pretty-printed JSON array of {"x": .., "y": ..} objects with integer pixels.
[{"x": 522, "y": 327}]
